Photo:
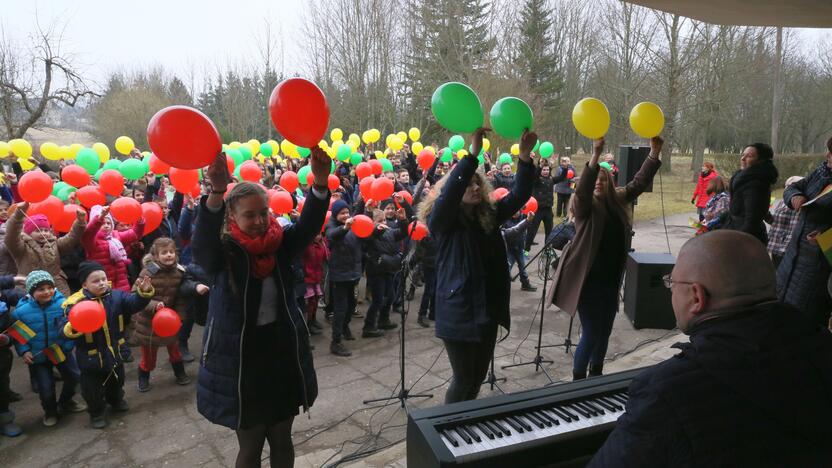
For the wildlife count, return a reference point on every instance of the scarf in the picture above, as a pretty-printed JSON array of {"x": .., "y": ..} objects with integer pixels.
[
  {"x": 117, "y": 251},
  {"x": 260, "y": 249}
]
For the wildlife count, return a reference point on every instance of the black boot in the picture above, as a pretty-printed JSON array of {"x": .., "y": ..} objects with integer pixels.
[
  {"x": 185, "y": 352},
  {"x": 179, "y": 371},
  {"x": 144, "y": 380},
  {"x": 595, "y": 370},
  {"x": 338, "y": 349},
  {"x": 526, "y": 286},
  {"x": 578, "y": 375}
]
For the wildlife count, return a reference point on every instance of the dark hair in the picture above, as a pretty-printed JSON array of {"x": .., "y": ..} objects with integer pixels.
[
  {"x": 715, "y": 185},
  {"x": 243, "y": 190},
  {"x": 829, "y": 144},
  {"x": 764, "y": 151}
]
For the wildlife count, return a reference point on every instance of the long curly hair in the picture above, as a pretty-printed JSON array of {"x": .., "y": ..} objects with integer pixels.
[{"x": 483, "y": 213}]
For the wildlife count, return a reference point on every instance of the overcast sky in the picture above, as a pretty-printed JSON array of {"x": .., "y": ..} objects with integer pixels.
[{"x": 109, "y": 35}]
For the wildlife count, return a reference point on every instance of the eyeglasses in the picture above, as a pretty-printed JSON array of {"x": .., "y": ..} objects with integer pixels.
[{"x": 669, "y": 282}]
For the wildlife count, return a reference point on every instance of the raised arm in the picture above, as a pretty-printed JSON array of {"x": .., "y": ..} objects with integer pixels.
[
  {"x": 523, "y": 180},
  {"x": 14, "y": 228},
  {"x": 206, "y": 243},
  {"x": 648, "y": 170},
  {"x": 582, "y": 205},
  {"x": 299, "y": 235}
]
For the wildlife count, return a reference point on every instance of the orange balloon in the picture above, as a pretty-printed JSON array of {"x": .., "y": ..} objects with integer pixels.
[
  {"x": 75, "y": 176},
  {"x": 111, "y": 182},
  {"x": 281, "y": 202},
  {"x": 34, "y": 186},
  {"x": 153, "y": 214},
  {"x": 183, "y": 180},
  {"x": 126, "y": 210},
  {"x": 362, "y": 226},
  {"x": 90, "y": 196},
  {"x": 52, "y": 207}
]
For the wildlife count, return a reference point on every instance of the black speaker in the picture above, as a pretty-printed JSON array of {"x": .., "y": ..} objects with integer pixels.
[
  {"x": 630, "y": 159},
  {"x": 646, "y": 300}
]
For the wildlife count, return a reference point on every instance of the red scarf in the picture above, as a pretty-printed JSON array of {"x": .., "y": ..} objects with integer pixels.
[{"x": 260, "y": 249}]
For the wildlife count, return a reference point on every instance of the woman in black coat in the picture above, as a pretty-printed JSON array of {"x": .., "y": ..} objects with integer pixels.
[
  {"x": 472, "y": 279},
  {"x": 750, "y": 190}
]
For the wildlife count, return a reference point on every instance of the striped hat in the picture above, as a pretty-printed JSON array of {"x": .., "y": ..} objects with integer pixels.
[{"x": 36, "y": 278}]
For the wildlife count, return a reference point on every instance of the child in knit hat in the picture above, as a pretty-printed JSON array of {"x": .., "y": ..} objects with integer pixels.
[{"x": 37, "y": 322}]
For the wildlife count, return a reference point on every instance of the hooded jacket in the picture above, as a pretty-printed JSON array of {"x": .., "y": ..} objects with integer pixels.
[
  {"x": 97, "y": 249},
  {"x": 46, "y": 321},
  {"x": 750, "y": 191}
]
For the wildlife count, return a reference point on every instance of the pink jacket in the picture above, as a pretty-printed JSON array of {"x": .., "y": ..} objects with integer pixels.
[{"x": 97, "y": 249}]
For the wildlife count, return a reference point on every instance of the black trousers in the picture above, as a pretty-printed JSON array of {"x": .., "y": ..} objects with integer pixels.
[
  {"x": 469, "y": 362},
  {"x": 563, "y": 203},
  {"x": 6, "y": 359},
  {"x": 544, "y": 213},
  {"x": 102, "y": 386},
  {"x": 343, "y": 303}
]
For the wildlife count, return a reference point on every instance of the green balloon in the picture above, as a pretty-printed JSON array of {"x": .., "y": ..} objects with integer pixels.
[
  {"x": 546, "y": 150},
  {"x": 97, "y": 174},
  {"x": 510, "y": 116},
  {"x": 236, "y": 155},
  {"x": 471, "y": 150},
  {"x": 237, "y": 172},
  {"x": 456, "y": 142},
  {"x": 246, "y": 152},
  {"x": 606, "y": 166},
  {"x": 304, "y": 152},
  {"x": 132, "y": 169},
  {"x": 63, "y": 194},
  {"x": 505, "y": 158},
  {"x": 536, "y": 146},
  {"x": 481, "y": 159},
  {"x": 356, "y": 159},
  {"x": 344, "y": 152},
  {"x": 303, "y": 173},
  {"x": 332, "y": 168},
  {"x": 457, "y": 108},
  {"x": 266, "y": 150},
  {"x": 58, "y": 186},
  {"x": 112, "y": 164},
  {"x": 447, "y": 156},
  {"x": 88, "y": 159},
  {"x": 386, "y": 165},
  {"x": 145, "y": 167}
]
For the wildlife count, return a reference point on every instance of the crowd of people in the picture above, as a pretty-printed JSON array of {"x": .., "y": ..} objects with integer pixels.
[{"x": 256, "y": 280}]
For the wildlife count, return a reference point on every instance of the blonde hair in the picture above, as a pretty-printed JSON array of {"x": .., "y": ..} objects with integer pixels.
[{"x": 483, "y": 213}]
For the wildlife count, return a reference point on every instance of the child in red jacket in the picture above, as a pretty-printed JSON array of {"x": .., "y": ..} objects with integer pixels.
[{"x": 313, "y": 267}]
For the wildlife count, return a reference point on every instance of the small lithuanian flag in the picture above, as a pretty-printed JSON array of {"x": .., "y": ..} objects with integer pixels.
[
  {"x": 20, "y": 332},
  {"x": 825, "y": 243},
  {"x": 55, "y": 354}
]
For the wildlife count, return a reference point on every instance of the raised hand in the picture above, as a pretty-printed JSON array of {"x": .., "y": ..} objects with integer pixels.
[
  {"x": 105, "y": 212},
  {"x": 476, "y": 140},
  {"x": 320, "y": 163},
  {"x": 218, "y": 175},
  {"x": 597, "y": 149},
  {"x": 144, "y": 285},
  {"x": 527, "y": 142},
  {"x": 160, "y": 305},
  {"x": 80, "y": 214},
  {"x": 656, "y": 144},
  {"x": 23, "y": 207}
]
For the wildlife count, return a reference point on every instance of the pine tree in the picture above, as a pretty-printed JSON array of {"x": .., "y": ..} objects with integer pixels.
[{"x": 537, "y": 60}]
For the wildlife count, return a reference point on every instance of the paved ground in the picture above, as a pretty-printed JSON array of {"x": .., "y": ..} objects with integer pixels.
[{"x": 164, "y": 428}]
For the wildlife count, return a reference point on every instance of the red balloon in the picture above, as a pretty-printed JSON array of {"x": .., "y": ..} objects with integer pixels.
[
  {"x": 231, "y": 164},
  {"x": 531, "y": 206},
  {"x": 334, "y": 182},
  {"x": 152, "y": 214},
  {"x": 196, "y": 191},
  {"x": 126, "y": 210},
  {"x": 418, "y": 231},
  {"x": 299, "y": 111},
  {"x": 362, "y": 226},
  {"x": 34, "y": 186},
  {"x": 366, "y": 187},
  {"x": 281, "y": 202},
  {"x": 166, "y": 322},
  {"x": 87, "y": 316},
  {"x": 183, "y": 137},
  {"x": 362, "y": 170},
  {"x": 183, "y": 180},
  {"x": 376, "y": 166},
  {"x": 326, "y": 220},
  {"x": 250, "y": 171},
  {"x": 406, "y": 195},
  {"x": 382, "y": 188},
  {"x": 111, "y": 182},
  {"x": 301, "y": 203},
  {"x": 499, "y": 193},
  {"x": 67, "y": 218},
  {"x": 90, "y": 196},
  {"x": 310, "y": 178},
  {"x": 52, "y": 208},
  {"x": 425, "y": 159},
  {"x": 75, "y": 176},
  {"x": 228, "y": 190},
  {"x": 289, "y": 181},
  {"x": 570, "y": 174},
  {"x": 157, "y": 166}
]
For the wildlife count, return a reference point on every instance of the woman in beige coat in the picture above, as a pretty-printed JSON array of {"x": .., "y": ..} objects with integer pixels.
[{"x": 589, "y": 274}]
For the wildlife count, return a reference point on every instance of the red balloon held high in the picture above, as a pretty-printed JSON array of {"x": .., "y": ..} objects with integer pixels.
[
  {"x": 126, "y": 210},
  {"x": 281, "y": 202},
  {"x": 183, "y": 180},
  {"x": 417, "y": 231},
  {"x": 183, "y": 137},
  {"x": 363, "y": 170},
  {"x": 333, "y": 182},
  {"x": 499, "y": 193},
  {"x": 90, "y": 196},
  {"x": 530, "y": 206},
  {"x": 289, "y": 181},
  {"x": 67, "y": 218},
  {"x": 299, "y": 111},
  {"x": 250, "y": 171},
  {"x": 111, "y": 182},
  {"x": 376, "y": 166},
  {"x": 34, "y": 186},
  {"x": 382, "y": 188},
  {"x": 153, "y": 214},
  {"x": 75, "y": 176}
]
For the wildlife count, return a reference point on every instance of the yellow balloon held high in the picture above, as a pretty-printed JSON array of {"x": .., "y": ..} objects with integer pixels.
[
  {"x": 336, "y": 134},
  {"x": 591, "y": 118},
  {"x": 647, "y": 119},
  {"x": 486, "y": 144},
  {"x": 402, "y": 136},
  {"x": 395, "y": 143},
  {"x": 64, "y": 152},
  {"x": 21, "y": 148},
  {"x": 366, "y": 137},
  {"x": 4, "y": 149},
  {"x": 25, "y": 163},
  {"x": 102, "y": 151},
  {"x": 515, "y": 149},
  {"x": 461, "y": 154},
  {"x": 50, "y": 151},
  {"x": 416, "y": 147},
  {"x": 414, "y": 134},
  {"x": 74, "y": 149},
  {"x": 354, "y": 138},
  {"x": 235, "y": 144},
  {"x": 375, "y": 134},
  {"x": 124, "y": 145}
]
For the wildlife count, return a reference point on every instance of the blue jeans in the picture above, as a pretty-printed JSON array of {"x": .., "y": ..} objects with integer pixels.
[
  {"x": 428, "y": 305},
  {"x": 516, "y": 256},
  {"x": 42, "y": 372},
  {"x": 381, "y": 287},
  {"x": 596, "y": 307}
]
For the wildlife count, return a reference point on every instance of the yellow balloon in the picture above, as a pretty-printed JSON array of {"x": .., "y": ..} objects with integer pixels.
[
  {"x": 65, "y": 153},
  {"x": 235, "y": 144},
  {"x": 416, "y": 147},
  {"x": 647, "y": 119},
  {"x": 367, "y": 137},
  {"x": 25, "y": 164},
  {"x": 74, "y": 149},
  {"x": 261, "y": 158},
  {"x": 354, "y": 137},
  {"x": 461, "y": 153},
  {"x": 336, "y": 134},
  {"x": 395, "y": 143},
  {"x": 380, "y": 155},
  {"x": 4, "y": 149},
  {"x": 323, "y": 144},
  {"x": 591, "y": 118},
  {"x": 431, "y": 149},
  {"x": 486, "y": 144},
  {"x": 50, "y": 151},
  {"x": 353, "y": 145},
  {"x": 414, "y": 134},
  {"x": 515, "y": 149},
  {"x": 375, "y": 134},
  {"x": 402, "y": 136},
  {"x": 124, "y": 145},
  {"x": 255, "y": 145},
  {"x": 286, "y": 146},
  {"x": 102, "y": 151},
  {"x": 21, "y": 148},
  {"x": 251, "y": 148}
]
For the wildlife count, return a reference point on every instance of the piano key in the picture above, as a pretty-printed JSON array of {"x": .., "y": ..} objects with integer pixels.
[
  {"x": 525, "y": 425},
  {"x": 545, "y": 418},
  {"x": 612, "y": 404},
  {"x": 485, "y": 430},
  {"x": 472, "y": 433},
  {"x": 594, "y": 410},
  {"x": 619, "y": 399},
  {"x": 593, "y": 405},
  {"x": 514, "y": 424},
  {"x": 534, "y": 420},
  {"x": 462, "y": 434},
  {"x": 561, "y": 414},
  {"x": 552, "y": 416},
  {"x": 500, "y": 429},
  {"x": 572, "y": 414},
  {"x": 450, "y": 438},
  {"x": 578, "y": 409}
]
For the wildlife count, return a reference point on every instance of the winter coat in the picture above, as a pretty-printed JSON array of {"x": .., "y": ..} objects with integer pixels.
[
  {"x": 590, "y": 217},
  {"x": 187, "y": 222},
  {"x": 7, "y": 264},
  {"x": 30, "y": 256},
  {"x": 314, "y": 257},
  {"x": 700, "y": 194},
  {"x": 750, "y": 191},
  {"x": 803, "y": 272},
  {"x": 514, "y": 233},
  {"x": 97, "y": 249},
  {"x": 47, "y": 323},
  {"x": 501, "y": 181},
  {"x": 9, "y": 293},
  {"x": 346, "y": 252},
  {"x": 465, "y": 311},
  {"x": 565, "y": 185},
  {"x": 383, "y": 252},
  {"x": 425, "y": 252},
  {"x": 99, "y": 350},
  {"x": 171, "y": 288},
  {"x": 750, "y": 389},
  {"x": 544, "y": 188},
  {"x": 234, "y": 303}
]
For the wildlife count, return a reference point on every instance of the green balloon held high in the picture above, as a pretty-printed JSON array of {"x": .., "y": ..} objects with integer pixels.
[
  {"x": 457, "y": 108},
  {"x": 510, "y": 116}
]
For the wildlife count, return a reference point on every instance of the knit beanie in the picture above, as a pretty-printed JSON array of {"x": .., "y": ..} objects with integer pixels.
[
  {"x": 33, "y": 222},
  {"x": 36, "y": 278},
  {"x": 339, "y": 205},
  {"x": 383, "y": 204},
  {"x": 85, "y": 269}
]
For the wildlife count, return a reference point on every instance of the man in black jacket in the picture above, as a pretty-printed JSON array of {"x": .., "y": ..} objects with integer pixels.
[
  {"x": 750, "y": 389},
  {"x": 544, "y": 193}
]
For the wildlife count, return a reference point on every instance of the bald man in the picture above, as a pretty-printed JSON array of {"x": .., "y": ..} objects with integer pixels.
[{"x": 752, "y": 388}]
